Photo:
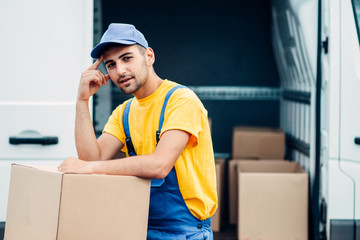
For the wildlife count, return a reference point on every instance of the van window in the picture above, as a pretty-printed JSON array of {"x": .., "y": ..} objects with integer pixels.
[{"x": 356, "y": 6}]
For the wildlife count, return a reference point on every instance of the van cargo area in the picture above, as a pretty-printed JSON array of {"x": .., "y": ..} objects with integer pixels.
[
  {"x": 279, "y": 79},
  {"x": 223, "y": 51}
]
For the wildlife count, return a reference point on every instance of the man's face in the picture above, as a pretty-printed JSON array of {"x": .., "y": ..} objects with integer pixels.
[{"x": 127, "y": 67}]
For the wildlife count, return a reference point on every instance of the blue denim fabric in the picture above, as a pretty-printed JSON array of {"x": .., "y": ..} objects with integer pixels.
[{"x": 170, "y": 218}]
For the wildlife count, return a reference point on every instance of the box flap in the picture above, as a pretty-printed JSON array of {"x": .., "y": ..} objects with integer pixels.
[
  {"x": 265, "y": 130},
  {"x": 233, "y": 190},
  {"x": 33, "y": 205},
  {"x": 43, "y": 168},
  {"x": 269, "y": 166},
  {"x": 220, "y": 173},
  {"x": 90, "y": 202}
]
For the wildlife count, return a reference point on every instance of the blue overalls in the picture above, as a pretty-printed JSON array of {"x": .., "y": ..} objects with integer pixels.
[{"x": 169, "y": 217}]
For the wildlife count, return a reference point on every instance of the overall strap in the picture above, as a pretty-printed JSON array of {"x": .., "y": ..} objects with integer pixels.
[
  {"x": 162, "y": 115},
  {"x": 125, "y": 120}
]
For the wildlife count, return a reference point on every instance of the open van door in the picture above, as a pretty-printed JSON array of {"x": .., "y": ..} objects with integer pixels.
[
  {"x": 45, "y": 45},
  {"x": 296, "y": 45},
  {"x": 342, "y": 82},
  {"x": 319, "y": 66}
]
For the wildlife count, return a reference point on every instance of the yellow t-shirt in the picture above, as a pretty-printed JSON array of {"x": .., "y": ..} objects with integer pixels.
[{"x": 195, "y": 168}]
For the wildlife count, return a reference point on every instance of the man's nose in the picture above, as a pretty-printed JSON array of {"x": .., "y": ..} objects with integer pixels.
[{"x": 120, "y": 70}]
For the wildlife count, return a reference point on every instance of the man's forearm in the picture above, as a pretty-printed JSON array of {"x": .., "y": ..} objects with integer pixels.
[
  {"x": 145, "y": 166},
  {"x": 86, "y": 144},
  {"x": 154, "y": 165}
]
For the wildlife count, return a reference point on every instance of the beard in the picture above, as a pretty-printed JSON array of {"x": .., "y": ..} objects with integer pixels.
[
  {"x": 131, "y": 88},
  {"x": 137, "y": 81}
]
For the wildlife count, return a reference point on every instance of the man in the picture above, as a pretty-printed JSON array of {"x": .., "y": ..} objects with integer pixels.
[{"x": 172, "y": 146}]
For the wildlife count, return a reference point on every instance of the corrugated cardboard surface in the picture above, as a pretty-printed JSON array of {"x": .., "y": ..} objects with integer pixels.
[
  {"x": 76, "y": 206},
  {"x": 258, "y": 143},
  {"x": 233, "y": 187},
  {"x": 273, "y": 201},
  {"x": 97, "y": 201},
  {"x": 33, "y": 205},
  {"x": 220, "y": 172}
]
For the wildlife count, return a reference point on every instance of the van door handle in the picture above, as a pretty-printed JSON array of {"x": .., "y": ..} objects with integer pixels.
[
  {"x": 33, "y": 137},
  {"x": 42, "y": 140},
  {"x": 357, "y": 140}
]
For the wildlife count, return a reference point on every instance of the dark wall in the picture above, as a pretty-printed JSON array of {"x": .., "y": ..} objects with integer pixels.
[{"x": 209, "y": 43}]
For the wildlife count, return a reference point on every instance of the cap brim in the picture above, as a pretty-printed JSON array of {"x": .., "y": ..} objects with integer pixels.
[{"x": 98, "y": 49}]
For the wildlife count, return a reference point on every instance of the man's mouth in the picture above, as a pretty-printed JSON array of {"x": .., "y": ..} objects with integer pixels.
[{"x": 124, "y": 80}]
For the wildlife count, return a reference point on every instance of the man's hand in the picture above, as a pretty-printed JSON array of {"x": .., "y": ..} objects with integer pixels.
[
  {"x": 75, "y": 165},
  {"x": 91, "y": 80}
]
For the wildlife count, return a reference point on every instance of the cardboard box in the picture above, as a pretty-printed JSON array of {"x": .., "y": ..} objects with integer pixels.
[
  {"x": 46, "y": 204},
  {"x": 220, "y": 174},
  {"x": 258, "y": 143},
  {"x": 233, "y": 190},
  {"x": 209, "y": 120},
  {"x": 233, "y": 187},
  {"x": 273, "y": 201}
]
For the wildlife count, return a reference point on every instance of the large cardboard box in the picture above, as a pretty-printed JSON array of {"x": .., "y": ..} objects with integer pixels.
[
  {"x": 233, "y": 187},
  {"x": 46, "y": 204},
  {"x": 273, "y": 201},
  {"x": 220, "y": 174},
  {"x": 258, "y": 143}
]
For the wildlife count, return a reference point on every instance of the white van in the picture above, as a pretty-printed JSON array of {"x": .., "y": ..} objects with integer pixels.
[
  {"x": 317, "y": 52},
  {"x": 45, "y": 46}
]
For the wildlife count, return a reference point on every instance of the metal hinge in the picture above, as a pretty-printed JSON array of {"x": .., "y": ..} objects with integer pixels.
[
  {"x": 323, "y": 219},
  {"x": 323, "y": 211},
  {"x": 325, "y": 45}
]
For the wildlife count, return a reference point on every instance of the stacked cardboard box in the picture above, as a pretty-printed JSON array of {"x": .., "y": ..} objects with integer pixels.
[
  {"x": 256, "y": 143},
  {"x": 233, "y": 190},
  {"x": 268, "y": 195},
  {"x": 273, "y": 200},
  {"x": 46, "y": 204},
  {"x": 220, "y": 173}
]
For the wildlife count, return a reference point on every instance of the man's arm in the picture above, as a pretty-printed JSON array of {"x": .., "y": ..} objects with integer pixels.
[
  {"x": 156, "y": 165},
  {"x": 88, "y": 147}
]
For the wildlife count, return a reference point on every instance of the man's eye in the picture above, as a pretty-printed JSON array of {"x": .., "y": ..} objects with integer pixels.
[
  {"x": 126, "y": 58},
  {"x": 110, "y": 65}
]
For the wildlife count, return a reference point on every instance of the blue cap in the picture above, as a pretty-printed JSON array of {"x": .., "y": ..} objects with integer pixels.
[{"x": 120, "y": 33}]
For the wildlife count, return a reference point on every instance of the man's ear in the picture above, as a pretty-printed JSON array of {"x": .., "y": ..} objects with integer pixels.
[{"x": 150, "y": 56}]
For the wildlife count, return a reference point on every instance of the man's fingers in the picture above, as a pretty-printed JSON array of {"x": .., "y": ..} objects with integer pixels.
[
  {"x": 107, "y": 78},
  {"x": 96, "y": 64},
  {"x": 94, "y": 76},
  {"x": 104, "y": 78},
  {"x": 101, "y": 77}
]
